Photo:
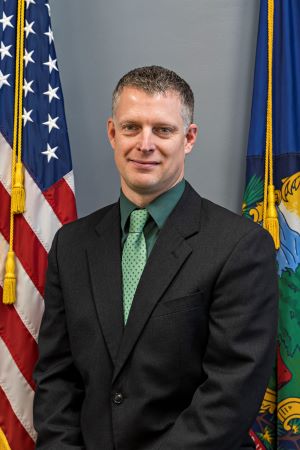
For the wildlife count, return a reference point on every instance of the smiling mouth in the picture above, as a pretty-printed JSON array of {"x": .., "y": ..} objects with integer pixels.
[{"x": 145, "y": 163}]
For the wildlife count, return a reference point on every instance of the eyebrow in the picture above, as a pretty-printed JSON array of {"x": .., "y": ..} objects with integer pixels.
[
  {"x": 158, "y": 124},
  {"x": 166, "y": 125}
]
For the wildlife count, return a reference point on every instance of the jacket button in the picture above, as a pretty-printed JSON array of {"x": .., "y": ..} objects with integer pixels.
[{"x": 117, "y": 398}]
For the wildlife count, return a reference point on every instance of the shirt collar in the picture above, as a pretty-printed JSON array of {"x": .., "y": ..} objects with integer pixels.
[{"x": 159, "y": 209}]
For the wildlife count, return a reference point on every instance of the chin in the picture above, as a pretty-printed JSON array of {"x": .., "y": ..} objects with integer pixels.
[{"x": 144, "y": 186}]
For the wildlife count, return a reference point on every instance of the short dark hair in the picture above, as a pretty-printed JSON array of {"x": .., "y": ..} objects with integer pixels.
[{"x": 157, "y": 79}]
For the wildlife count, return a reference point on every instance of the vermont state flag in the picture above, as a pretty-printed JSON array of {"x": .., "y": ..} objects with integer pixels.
[{"x": 278, "y": 423}]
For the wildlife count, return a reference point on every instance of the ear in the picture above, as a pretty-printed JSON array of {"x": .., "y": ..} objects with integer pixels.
[
  {"x": 111, "y": 131},
  {"x": 190, "y": 138}
]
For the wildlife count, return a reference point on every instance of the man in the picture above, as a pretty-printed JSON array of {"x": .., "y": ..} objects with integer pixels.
[{"x": 160, "y": 320}]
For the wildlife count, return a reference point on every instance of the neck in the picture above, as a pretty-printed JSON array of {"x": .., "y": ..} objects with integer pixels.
[{"x": 140, "y": 200}]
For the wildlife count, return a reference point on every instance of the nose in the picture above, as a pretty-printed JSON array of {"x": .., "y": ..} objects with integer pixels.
[{"x": 146, "y": 143}]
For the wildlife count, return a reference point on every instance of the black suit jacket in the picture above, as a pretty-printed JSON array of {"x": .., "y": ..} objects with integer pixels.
[{"x": 189, "y": 370}]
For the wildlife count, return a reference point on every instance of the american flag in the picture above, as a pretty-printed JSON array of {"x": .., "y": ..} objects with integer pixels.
[{"x": 50, "y": 202}]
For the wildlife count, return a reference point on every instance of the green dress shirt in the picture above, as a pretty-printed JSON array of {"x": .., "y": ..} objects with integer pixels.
[{"x": 159, "y": 210}]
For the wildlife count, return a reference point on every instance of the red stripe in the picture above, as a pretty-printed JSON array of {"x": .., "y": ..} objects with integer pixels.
[
  {"x": 15, "y": 433},
  {"x": 62, "y": 200},
  {"x": 27, "y": 247},
  {"x": 18, "y": 340}
]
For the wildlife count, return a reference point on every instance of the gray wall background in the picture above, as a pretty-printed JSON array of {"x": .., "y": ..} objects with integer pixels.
[{"x": 210, "y": 43}]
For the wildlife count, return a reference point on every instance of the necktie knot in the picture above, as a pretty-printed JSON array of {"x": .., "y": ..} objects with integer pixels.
[{"x": 138, "y": 218}]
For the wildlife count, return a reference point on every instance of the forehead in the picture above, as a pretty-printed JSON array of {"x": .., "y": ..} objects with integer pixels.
[{"x": 133, "y": 101}]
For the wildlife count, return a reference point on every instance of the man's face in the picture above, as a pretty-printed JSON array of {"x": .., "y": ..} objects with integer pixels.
[{"x": 149, "y": 141}]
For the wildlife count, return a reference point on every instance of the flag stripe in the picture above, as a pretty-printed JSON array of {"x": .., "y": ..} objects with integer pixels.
[
  {"x": 30, "y": 304},
  {"x": 39, "y": 214},
  {"x": 17, "y": 390},
  {"x": 5, "y": 163},
  {"x": 61, "y": 198},
  {"x": 16, "y": 435},
  {"x": 26, "y": 245},
  {"x": 14, "y": 333},
  {"x": 70, "y": 180}
]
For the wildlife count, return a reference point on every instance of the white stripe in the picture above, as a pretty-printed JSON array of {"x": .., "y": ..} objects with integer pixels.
[
  {"x": 29, "y": 304},
  {"x": 39, "y": 214},
  {"x": 69, "y": 178},
  {"x": 17, "y": 390},
  {"x": 5, "y": 163}
]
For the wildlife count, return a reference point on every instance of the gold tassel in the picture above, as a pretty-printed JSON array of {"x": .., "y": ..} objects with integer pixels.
[
  {"x": 272, "y": 224},
  {"x": 18, "y": 190},
  {"x": 17, "y": 204},
  {"x": 9, "y": 287}
]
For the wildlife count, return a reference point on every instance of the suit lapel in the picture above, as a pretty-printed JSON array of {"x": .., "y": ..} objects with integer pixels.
[
  {"x": 168, "y": 255},
  {"x": 104, "y": 258}
]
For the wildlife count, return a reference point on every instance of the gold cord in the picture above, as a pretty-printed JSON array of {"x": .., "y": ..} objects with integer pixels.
[
  {"x": 270, "y": 218},
  {"x": 18, "y": 190},
  {"x": 17, "y": 177}
]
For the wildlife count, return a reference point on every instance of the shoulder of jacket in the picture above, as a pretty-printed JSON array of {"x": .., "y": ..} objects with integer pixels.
[
  {"x": 84, "y": 225},
  {"x": 227, "y": 223}
]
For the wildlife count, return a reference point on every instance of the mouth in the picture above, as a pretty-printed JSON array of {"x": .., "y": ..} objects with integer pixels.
[{"x": 144, "y": 164}]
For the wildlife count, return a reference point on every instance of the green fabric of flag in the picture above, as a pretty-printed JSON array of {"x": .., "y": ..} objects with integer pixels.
[{"x": 277, "y": 426}]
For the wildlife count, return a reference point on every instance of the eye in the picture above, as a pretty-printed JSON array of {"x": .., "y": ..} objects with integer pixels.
[
  {"x": 129, "y": 128},
  {"x": 163, "y": 131}
]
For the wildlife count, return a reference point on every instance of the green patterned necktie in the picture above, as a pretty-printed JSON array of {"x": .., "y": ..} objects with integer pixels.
[{"x": 134, "y": 257}]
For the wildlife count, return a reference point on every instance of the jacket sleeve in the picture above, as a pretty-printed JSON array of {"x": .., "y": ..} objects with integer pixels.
[
  {"x": 59, "y": 391},
  {"x": 240, "y": 351}
]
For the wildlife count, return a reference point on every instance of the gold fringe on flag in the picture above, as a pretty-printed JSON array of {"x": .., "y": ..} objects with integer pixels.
[
  {"x": 270, "y": 217},
  {"x": 3, "y": 441},
  {"x": 17, "y": 173}
]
